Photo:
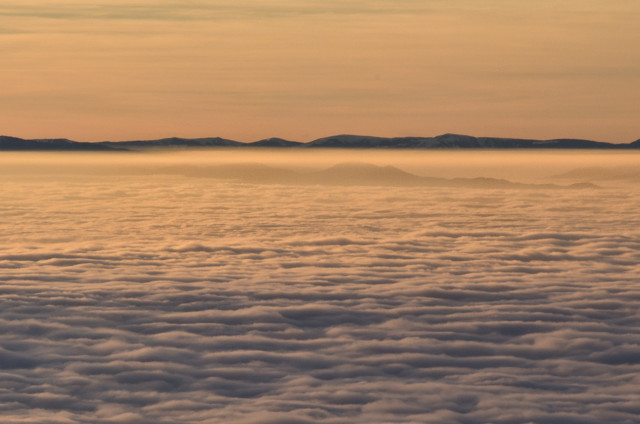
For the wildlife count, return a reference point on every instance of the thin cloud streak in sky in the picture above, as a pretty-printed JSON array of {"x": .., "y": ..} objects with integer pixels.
[
  {"x": 168, "y": 10},
  {"x": 205, "y": 10}
]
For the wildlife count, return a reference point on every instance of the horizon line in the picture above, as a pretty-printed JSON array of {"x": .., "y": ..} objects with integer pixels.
[{"x": 319, "y": 138}]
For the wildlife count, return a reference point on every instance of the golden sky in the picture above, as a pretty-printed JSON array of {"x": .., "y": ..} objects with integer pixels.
[{"x": 303, "y": 69}]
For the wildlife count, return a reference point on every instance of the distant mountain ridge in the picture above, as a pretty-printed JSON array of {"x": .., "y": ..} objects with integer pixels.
[
  {"x": 344, "y": 141},
  {"x": 51, "y": 144}
]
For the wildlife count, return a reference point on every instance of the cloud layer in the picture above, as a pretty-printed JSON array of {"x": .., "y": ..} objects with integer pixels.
[{"x": 162, "y": 299}]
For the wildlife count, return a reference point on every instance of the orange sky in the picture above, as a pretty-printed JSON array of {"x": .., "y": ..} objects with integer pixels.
[{"x": 250, "y": 69}]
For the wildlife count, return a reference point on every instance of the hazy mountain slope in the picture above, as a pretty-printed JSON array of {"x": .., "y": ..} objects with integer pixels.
[{"x": 345, "y": 174}]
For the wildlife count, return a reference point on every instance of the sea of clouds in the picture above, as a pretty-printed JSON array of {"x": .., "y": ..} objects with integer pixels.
[{"x": 168, "y": 299}]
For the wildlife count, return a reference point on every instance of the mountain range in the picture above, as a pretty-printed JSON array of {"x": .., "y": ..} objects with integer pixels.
[{"x": 445, "y": 141}]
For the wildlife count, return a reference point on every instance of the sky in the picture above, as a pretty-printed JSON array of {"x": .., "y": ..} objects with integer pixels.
[{"x": 251, "y": 69}]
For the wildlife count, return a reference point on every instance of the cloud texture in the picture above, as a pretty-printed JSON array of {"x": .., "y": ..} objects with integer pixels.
[{"x": 165, "y": 299}]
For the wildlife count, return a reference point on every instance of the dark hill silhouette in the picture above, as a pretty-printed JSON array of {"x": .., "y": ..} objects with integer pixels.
[
  {"x": 52, "y": 144},
  {"x": 175, "y": 142},
  {"x": 444, "y": 141},
  {"x": 275, "y": 142},
  {"x": 457, "y": 141}
]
